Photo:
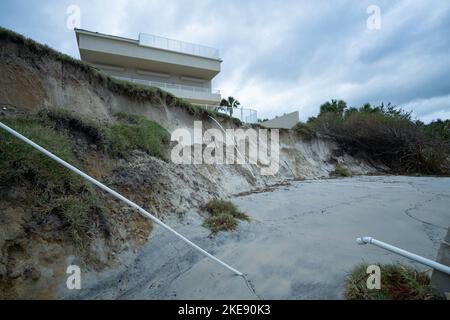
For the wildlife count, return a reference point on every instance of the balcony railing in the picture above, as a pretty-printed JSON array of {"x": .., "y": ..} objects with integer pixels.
[
  {"x": 149, "y": 40},
  {"x": 244, "y": 114},
  {"x": 164, "y": 85}
]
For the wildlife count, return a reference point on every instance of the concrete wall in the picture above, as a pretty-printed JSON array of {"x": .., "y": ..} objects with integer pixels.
[{"x": 287, "y": 121}]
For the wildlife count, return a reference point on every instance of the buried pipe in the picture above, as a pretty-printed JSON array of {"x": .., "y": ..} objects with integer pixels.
[
  {"x": 433, "y": 264},
  {"x": 117, "y": 195}
]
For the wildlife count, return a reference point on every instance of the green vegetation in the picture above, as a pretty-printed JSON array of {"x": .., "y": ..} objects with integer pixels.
[
  {"x": 341, "y": 171},
  {"x": 229, "y": 104},
  {"x": 438, "y": 129},
  {"x": 55, "y": 190},
  {"x": 61, "y": 119},
  {"x": 224, "y": 216},
  {"x": 77, "y": 212},
  {"x": 221, "y": 222},
  {"x": 18, "y": 159},
  {"x": 128, "y": 133},
  {"x": 387, "y": 135},
  {"x": 136, "y": 132},
  {"x": 397, "y": 283},
  {"x": 305, "y": 131}
]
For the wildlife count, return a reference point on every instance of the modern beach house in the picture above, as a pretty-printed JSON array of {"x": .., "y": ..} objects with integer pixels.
[{"x": 184, "y": 69}]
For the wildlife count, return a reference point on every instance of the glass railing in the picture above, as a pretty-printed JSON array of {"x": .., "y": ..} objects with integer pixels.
[
  {"x": 168, "y": 86},
  {"x": 244, "y": 114},
  {"x": 149, "y": 40}
]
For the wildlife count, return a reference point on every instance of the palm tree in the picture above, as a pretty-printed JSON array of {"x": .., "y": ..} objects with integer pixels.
[{"x": 229, "y": 104}]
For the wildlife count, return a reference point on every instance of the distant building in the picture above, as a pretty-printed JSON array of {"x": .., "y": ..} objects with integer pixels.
[
  {"x": 287, "y": 121},
  {"x": 184, "y": 69}
]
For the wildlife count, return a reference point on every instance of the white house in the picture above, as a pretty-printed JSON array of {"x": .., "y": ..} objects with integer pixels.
[{"x": 184, "y": 69}]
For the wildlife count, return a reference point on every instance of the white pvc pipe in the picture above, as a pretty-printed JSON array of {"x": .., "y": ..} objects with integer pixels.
[
  {"x": 433, "y": 264},
  {"x": 117, "y": 195}
]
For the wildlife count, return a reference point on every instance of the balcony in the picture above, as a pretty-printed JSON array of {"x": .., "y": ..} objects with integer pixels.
[
  {"x": 246, "y": 115},
  {"x": 149, "y": 52},
  {"x": 197, "y": 95}
]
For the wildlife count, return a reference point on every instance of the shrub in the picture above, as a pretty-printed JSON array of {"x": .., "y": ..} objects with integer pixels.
[
  {"x": 438, "y": 129},
  {"x": 304, "y": 131},
  {"x": 218, "y": 206},
  {"x": 340, "y": 171},
  {"x": 224, "y": 216},
  {"x": 221, "y": 222},
  {"x": 398, "y": 282},
  {"x": 387, "y": 135}
]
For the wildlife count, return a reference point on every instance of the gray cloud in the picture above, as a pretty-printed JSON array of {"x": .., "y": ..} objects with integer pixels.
[{"x": 282, "y": 56}]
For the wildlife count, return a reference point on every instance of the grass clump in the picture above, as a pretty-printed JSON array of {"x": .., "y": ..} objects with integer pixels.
[
  {"x": 18, "y": 159},
  {"x": 223, "y": 216},
  {"x": 59, "y": 119},
  {"x": 398, "y": 282},
  {"x": 76, "y": 212},
  {"x": 221, "y": 222},
  {"x": 136, "y": 132},
  {"x": 341, "y": 171}
]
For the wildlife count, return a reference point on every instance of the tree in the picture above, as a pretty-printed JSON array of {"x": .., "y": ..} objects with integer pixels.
[
  {"x": 229, "y": 104},
  {"x": 336, "y": 106}
]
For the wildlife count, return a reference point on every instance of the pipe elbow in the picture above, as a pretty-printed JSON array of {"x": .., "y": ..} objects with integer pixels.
[{"x": 364, "y": 240}]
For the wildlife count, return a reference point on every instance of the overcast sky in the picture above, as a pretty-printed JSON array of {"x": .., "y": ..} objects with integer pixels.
[{"x": 281, "y": 56}]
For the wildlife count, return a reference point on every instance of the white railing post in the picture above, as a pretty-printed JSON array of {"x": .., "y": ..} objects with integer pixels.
[{"x": 404, "y": 253}]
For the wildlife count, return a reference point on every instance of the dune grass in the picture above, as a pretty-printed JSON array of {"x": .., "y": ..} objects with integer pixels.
[
  {"x": 341, "y": 171},
  {"x": 398, "y": 282},
  {"x": 18, "y": 158},
  {"x": 223, "y": 216},
  {"x": 129, "y": 132},
  {"x": 55, "y": 190},
  {"x": 136, "y": 132}
]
